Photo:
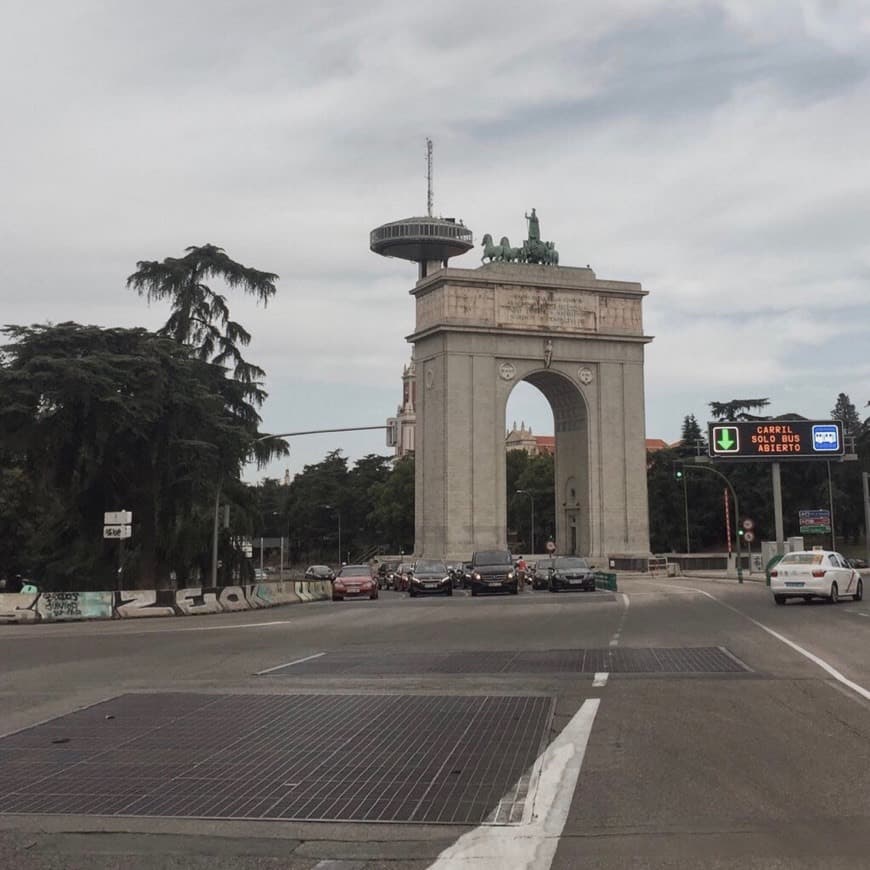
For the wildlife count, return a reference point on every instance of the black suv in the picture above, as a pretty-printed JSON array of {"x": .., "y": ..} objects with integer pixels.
[{"x": 493, "y": 571}]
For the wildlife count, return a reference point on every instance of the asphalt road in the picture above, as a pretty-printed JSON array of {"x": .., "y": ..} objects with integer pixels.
[{"x": 767, "y": 766}]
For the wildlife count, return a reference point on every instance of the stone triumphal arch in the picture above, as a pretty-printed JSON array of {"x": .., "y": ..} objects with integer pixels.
[{"x": 580, "y": 341}]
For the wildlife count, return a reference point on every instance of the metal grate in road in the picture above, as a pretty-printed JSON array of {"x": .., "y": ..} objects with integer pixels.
[
  {"x": 388, "y": 758},
  {"x": 616, "y": 660}
]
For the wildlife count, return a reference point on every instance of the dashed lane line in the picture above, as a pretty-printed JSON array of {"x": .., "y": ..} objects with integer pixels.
[{"x": 600, "y": 679}]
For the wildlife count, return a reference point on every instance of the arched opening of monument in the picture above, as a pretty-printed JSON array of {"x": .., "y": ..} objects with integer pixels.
[{"x": 552, "y": 473}]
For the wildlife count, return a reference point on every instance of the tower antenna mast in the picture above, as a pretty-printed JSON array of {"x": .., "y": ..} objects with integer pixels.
[{"x": 429, "y": 176}]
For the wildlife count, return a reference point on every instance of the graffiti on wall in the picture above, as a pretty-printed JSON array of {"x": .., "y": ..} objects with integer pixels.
[{"x": 145, "y": 603}]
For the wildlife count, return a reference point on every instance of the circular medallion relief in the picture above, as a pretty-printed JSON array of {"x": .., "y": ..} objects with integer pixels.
[
  {"x": 430, "y": 377},
  {"x": 585, "y": 375},
  {"x": 507, "y": 371}
]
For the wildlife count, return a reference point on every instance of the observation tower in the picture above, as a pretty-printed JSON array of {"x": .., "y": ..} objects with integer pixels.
[{"x": 428, "y": 241}]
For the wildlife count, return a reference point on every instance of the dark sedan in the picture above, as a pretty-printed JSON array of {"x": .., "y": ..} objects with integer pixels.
[
  {"x": 429, "y": 577},
  {"x": 319, "y": 572},
  {"x": 571, "y": 572}
]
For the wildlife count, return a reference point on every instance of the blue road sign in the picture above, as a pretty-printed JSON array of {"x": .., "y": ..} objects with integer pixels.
[{"x": 826, "y": 438}]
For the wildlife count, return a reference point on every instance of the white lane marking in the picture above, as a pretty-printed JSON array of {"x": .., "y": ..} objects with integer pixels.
[
  {"x": 860, "y": 690},
  {"x": 290, "y": 664},
  {"x": 854, "y": 613},
  {"x": 130, "y": 621},
  {"x": 600, "y": 679},
  {"x": 223, "y": 627},
  {"x": 532, "y": 846},
  {"x": 626, "y": 602}
]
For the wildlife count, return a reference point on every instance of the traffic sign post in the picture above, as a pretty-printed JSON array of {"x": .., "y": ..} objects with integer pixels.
[
  {"x": 117, "y": 527},
  {"x": 117, "y": 533}
]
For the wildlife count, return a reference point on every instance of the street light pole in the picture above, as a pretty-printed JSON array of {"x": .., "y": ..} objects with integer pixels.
[
  {"x": 532, "y": 523},
  {"x": 705, "y": 467},
  {"x": 331, "y": 507}
]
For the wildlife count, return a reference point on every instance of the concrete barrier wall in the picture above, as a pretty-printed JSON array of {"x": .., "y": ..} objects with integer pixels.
[{"x": 149, "y": 603}]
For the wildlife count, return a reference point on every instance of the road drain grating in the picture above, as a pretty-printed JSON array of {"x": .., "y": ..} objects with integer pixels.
[
  {"x": 614, "y": 660},
  {"x": 385, "y": 758}
]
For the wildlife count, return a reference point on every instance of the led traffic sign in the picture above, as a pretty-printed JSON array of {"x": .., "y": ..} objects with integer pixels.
[{"x": 776, "y": 440}]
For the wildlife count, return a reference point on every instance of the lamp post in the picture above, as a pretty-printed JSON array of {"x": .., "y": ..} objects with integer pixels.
[
  {"x": 331, "y": 507},
  {"x": 532, "y": 522}
]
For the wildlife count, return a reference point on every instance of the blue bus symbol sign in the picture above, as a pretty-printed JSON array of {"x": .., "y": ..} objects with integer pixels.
[{"x": 826, "y": 439}]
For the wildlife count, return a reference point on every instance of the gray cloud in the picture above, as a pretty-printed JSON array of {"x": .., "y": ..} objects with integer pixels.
[{"x": 715, "y": 151}]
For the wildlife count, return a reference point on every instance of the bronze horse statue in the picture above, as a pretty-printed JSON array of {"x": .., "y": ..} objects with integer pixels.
[{"x": 493, "y": 252}]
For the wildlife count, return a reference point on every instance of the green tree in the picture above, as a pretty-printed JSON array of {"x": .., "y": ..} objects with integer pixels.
[
  {"x": 364, "y": 528},
  {"x": 738, "y": 409},
  {"x": 691, "y": 437},
  {"x": 200, "y": 316},
  {"x": 104, "y": 419},
  {"x": 845, "y": 412},
  {"x": 394, "y": 506}
]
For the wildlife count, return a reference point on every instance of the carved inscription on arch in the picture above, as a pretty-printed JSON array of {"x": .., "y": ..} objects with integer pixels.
[{"x": 552, "y": 309}]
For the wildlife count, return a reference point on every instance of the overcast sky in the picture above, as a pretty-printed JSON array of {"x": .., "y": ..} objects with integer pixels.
[{"x": 717, "y": 152}]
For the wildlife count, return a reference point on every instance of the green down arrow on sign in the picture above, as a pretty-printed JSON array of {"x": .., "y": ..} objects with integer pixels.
[{"x": 726, "y": 439}]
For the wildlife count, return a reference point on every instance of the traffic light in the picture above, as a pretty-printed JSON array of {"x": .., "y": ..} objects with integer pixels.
[
  {"x": 740, "y": 532},
  {"x": 678, "y": 471}
]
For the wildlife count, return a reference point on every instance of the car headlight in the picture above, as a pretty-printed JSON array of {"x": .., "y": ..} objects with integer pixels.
[
  {"x": 510, "y": 575},
  {"x": 476, "y": 576}
]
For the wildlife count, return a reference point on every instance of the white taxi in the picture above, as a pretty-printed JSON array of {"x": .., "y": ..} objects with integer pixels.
[{"x": 812, "y": 574}]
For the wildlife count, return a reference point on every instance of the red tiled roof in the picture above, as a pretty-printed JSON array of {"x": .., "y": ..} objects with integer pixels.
[{"x": 656, "y": 444}]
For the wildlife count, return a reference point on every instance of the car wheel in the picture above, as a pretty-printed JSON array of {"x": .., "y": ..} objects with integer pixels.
[
  {"x": 473, "y": 592},
  {"x": 450, "y": 592},
  {"x": 834, "y": 597},
  {"x": 516, "y": 589},
  {"x": 808, "y": 599},
  {"x": 859, "y": 591},
  {"x": 412, "y": 593},
  {"x": 552, "y": 588},
  {"x": 337, "y": 598},
  {"x": 779, "y": 599},
  {"x": 373, "y": 597}
]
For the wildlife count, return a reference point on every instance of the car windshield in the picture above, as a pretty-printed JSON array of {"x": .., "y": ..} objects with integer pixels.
[
  {"x": 493, "y": 557},
  {"x": 430, "y": 566},
  {"x": 564, "y": 562},
  {"x": 355, "y": 571},
  {"x": 319, "y": 569},
  {"x": 802, "y": 559}
]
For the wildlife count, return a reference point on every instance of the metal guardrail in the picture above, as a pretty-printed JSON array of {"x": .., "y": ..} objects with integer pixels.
[{"x": 604, "y": 580}]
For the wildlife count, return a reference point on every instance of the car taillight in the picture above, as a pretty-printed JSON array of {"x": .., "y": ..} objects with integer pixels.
[
  {"x": 774, "y": 573},
  {"x": 818, "y": 572}
]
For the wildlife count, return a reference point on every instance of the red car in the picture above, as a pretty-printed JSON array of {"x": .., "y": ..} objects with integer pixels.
[{"x": 354, "y": 581}]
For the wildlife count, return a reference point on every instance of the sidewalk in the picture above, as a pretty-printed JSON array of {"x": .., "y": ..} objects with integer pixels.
[{"x": 710, "y": 574}]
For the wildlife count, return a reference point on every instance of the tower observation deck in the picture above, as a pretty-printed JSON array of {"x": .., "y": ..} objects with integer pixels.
[{"x": 428, "y": 241}]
